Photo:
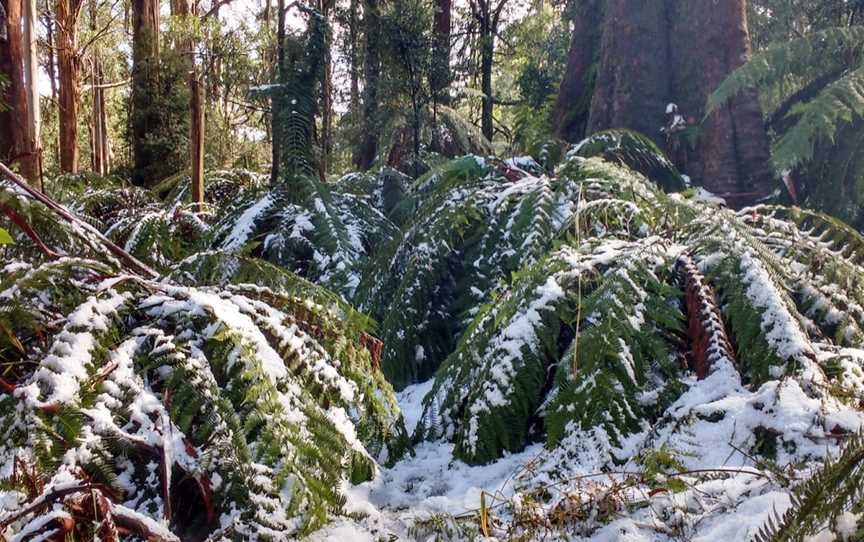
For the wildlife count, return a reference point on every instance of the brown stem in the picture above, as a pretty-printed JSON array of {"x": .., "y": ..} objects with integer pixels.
[
  {"x": 131, "y": 263},
  {"x": 19, "y": 221}
]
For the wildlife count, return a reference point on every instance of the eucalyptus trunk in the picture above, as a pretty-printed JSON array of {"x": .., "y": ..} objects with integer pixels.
[
  {"x": 653, "y": 54},
  {"x": 69, "y": 71}
]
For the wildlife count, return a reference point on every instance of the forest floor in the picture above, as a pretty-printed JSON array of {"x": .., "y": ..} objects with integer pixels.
[{"x": 432, "y": 496}]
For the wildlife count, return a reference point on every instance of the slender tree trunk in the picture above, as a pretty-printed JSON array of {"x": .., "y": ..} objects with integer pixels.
[
  {"x": 354, "y": 59},
  {"x": 52, "y": 63},
  {"x": 31, "y": 69},
  {"x": 279, "y": 73},
  {"x": 573, "y": 105},
  {"x": 326, "y": 102},
  {"x": 20, "y": 147},
  {"x": 197, "y": 139},
  {"x": 487, "y": 54},
  {"x": 99, "y": 149},
  {"x": 7, "y": 120},
  {"x": 68, "y": 13},
  {"x": 372, "y": 72},
  {"x": 439, "y": 75},
  {"x": 145, "y": 81},
  {"x": 188, "y": 8}
]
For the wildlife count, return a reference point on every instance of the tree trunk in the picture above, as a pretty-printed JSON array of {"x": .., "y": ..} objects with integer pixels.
[
  {"x": 372, "y": 72},
  {"x": 69, "y": 64},
  {"x": 279, "y": 73},
  {"x": 674, "y": 51},
  {"x": 633, "y": 81},
  {"x": 197, "y": 140},
  {"x": 31, "y": 69},
  {"x": 439, "y": 76},
  {"x": 326, "y": 101},
  {"x": 19, "y": 148},
  {"x": 99, "y": 148},
  {"x": 145, "y": 81},
  {"x": 487, "y": 53},
  {"x": 570, "y": 117},
  {"x": 52, "y": 64},
  {"x": 186, "y": 45},
  {"x": 734, "y": 153}
]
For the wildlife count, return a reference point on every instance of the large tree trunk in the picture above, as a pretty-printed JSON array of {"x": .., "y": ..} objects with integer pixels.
[
  {"x": 372, "y": 72},
  {"x": 672, "y": 51},
  {"x": 634, "y": 77},
  {"x": 69, "y": 64},
  {"x": 733, "y": 158},
  {"x": 19, "y": 148},
  {"x": 570, "y": 118},
  {"x": 145, "y": 81}
]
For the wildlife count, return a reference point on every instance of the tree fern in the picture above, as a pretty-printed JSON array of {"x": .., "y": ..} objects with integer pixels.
[{"x": 814, "y": 87}]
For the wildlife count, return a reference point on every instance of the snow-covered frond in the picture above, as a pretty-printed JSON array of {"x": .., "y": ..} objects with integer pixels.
[
  {"x": 474, "y": 223},
  {"x": 169, "y": 411},
  {"x": 322, "y": 235}
]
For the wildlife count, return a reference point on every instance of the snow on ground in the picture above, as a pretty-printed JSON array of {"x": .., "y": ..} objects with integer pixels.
[{"x": 433, "y": 483}]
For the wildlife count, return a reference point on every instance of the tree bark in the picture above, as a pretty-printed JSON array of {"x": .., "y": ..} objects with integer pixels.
[
  {"x": 372, "y": 73},
  {"x": 19, "y": 148},
  {"x": 145, "y": 81},
  {"x": 570, "y": 117},
  {"x": 734, "y": 152},
  {"x": 31, "y": 69},
  {"x": 69, "y": 64},
  {"x": 279, "y": 73},
  {"x": 633, "y": 81},
  {"x": 439, "y": 76},
  {"x": 673, "y": 51},
  {"x": 197, "y": 140},
  {"x": 99, "y": 146}
]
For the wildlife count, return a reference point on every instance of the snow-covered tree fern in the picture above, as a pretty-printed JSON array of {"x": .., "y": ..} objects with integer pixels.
[
  {"x": 814, "y": 92},
  {"x": 168, "y": 409},
  {"x": 609, "y": 317}
]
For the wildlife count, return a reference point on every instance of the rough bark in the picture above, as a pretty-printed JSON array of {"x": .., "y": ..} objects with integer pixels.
[
  {"x": 633, "y": 82},
  {"x": 145, "y": 80},
  {"x": 69, "y": 69},
  {"x": 570, "y": 117},
  {"x": 673, "y": 51},
  {"x": 7, "y": 143},
  {"x": 733, "y": 158},
  {"x": 368, "y": 150},
  {"x": 19, "y": 148}
]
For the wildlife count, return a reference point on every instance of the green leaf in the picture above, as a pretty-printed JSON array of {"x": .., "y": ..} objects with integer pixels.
[{"x": 5, "y": 238}]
